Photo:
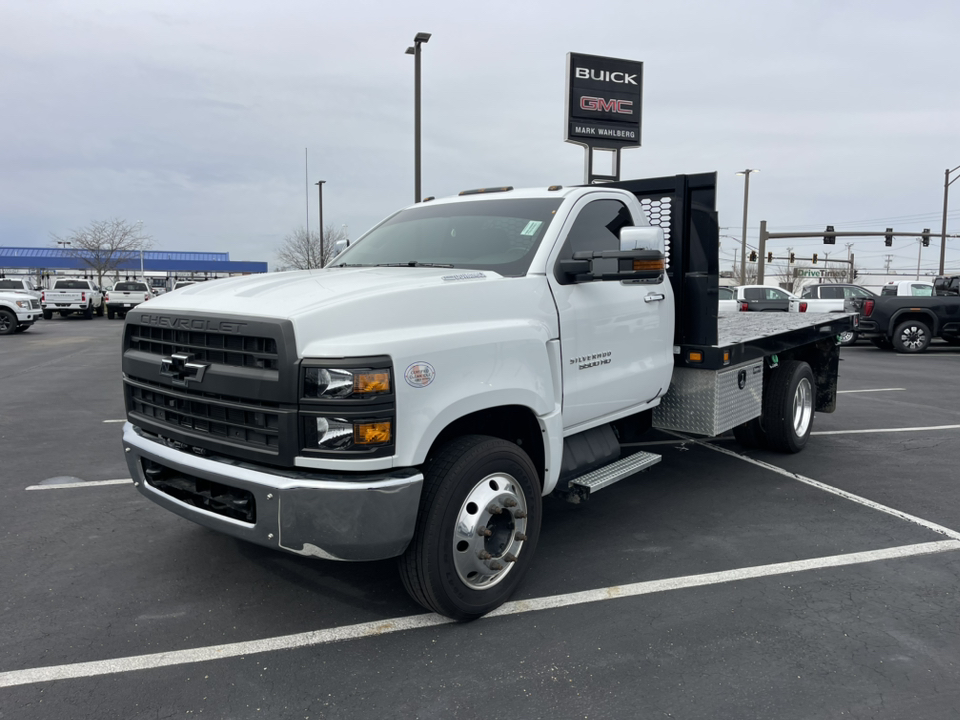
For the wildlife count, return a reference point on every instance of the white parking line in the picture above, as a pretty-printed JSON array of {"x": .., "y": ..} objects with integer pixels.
[
  {"x": 415, "y": 622},
  {"x": 92, "y": 483},
  {"x": 839, "y": 392},
  {"x": 835, "y": 491},
  {"x": 116, "y": 421},
  {"x": 885, "y": 430}
]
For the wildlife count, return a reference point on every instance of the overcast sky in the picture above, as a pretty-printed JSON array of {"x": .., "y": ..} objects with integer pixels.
[{"x": 194, "y": 116}]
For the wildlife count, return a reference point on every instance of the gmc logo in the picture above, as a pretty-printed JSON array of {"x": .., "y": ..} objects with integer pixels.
[{"x": 622, "y": 107}]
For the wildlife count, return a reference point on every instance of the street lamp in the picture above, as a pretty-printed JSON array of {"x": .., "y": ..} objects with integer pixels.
[
  {"x": 947, "y": 182},
  {"x": 743, "y": 244},
  {"x": 418, "y": 40},
  {"x": 320, "y": 188}
]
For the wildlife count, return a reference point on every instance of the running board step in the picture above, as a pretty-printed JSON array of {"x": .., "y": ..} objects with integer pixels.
[{"x": 609, "y": 474}]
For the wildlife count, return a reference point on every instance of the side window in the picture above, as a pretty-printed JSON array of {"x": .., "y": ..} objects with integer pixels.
[
  {"x": 726, "y": 293},
  {"x": 753, "y": 293},
  {"x": 774, "y": 294},
  {"x": 808, "y": 292},
  {"x": 922, "y": 290},
  {"x": 833, "y": 293},
  {"x": 597, "y": 228}
]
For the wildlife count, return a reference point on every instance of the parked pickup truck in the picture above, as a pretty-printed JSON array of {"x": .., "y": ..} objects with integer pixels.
[
  {"x": 762, "y": 298},
  {"x": 907, "y": 324},
  {"x": 418, "y": 396},
  {"x": 72, "y": 295},
  {"x": 20, "y": 284},
  {"x": 835, "y": 297},
  {"x": 18, "y": 311},
  {"x": 126, "y": 295},
  {"x": 912, "y": 288}
]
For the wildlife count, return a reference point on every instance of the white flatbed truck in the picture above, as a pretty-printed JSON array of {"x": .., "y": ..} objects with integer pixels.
[{"x": 464, "y": 358}]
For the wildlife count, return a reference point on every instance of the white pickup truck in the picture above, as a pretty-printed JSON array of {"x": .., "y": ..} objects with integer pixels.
[
  {"x": 125, "y": 295},
  {"x": 72, "y": 295},
  {"x": 18, "y": 311},
  {"x": 20, "y": 284},
  {"x": 417, "y": 397}
]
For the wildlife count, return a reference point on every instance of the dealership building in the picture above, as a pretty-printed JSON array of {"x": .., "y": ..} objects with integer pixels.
[{"x": 161, "y": 269}]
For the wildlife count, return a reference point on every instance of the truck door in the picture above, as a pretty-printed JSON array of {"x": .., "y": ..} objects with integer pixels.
[{"x": 616, "y": 337}]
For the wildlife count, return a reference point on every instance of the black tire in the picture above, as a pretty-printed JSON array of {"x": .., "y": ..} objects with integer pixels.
[
  {"x": 848, "y": 338},
  {"x": 882, "y": 343},
  {"x": 100, "y": 310},
  {"x": 8, "y": 322},
  {"x": 122, "y": 314},
  {"x": 788, "y": 406},
  {"x": 109, "y": 314},
  {"x": 750, "y": 434},
  {"x": 88, "y": 312},
  {"x": 443, "y": 569},
  {"x": 48, "y": 314},
  {"x": 911, "y": 336}
]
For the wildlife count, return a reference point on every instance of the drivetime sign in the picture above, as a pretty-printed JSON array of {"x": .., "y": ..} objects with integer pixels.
[{"x": 604, "y": 97}]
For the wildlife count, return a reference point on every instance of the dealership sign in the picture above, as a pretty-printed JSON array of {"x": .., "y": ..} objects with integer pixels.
[{"x": 604, "y": 97}]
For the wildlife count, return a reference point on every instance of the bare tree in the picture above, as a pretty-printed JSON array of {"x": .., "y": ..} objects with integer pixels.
[
  {"x": 104, "y": 244},
  {"x": 301, "y": 250}
]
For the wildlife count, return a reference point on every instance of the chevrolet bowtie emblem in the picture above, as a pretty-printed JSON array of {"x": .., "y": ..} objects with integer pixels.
[{"x": 182, "y": 368}]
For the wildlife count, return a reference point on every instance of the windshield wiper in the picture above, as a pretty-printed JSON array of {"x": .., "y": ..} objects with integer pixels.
[{"x": 413, "y": 263}]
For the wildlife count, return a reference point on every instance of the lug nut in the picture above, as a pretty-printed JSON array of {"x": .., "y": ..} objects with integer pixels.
[
  {"x": 520, "y": 514},
  {"x": 494, "y": 509},
  {"x": 496, "y": 566},
  {"x": 510, "y": 557},
  {"x": 509, "y": 502},
  {"x": 484, "y": 531},
  {"x": 484, "y": 555},
  {"x": 520, "y": 537}
]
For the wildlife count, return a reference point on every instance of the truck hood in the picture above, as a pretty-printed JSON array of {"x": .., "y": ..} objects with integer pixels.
[{"x": 355, "y": 310}]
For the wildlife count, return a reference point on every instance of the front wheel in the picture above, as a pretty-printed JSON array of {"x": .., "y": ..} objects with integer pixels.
[
  {"x": 788, "y": 404},
  {"x": 8, "y": 322},
  {"x": 48, "y": 314},
  {"x": 477, "y": 528},
  {"x": 911, "y": 336},
  {"x": 110, "y": 314}
]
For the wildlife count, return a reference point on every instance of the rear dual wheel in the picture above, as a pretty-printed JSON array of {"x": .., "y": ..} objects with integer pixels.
[{"x": 477, "y": 528}]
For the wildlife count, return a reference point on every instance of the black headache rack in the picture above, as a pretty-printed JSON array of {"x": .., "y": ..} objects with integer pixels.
[{"x": 685, "y": 207}]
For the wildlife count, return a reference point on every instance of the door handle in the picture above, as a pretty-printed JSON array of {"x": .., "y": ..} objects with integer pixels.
[{"x": 653, "y": 297}]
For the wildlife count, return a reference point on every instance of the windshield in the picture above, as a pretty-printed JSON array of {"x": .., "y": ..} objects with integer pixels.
[
  {"x": 11, "y": 285},
  {"x": 497, "y": 235},
  {"x": 130, "y": 287}
]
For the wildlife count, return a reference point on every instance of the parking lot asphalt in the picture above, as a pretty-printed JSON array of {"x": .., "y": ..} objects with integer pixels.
[{"x": 721, "y": 583}]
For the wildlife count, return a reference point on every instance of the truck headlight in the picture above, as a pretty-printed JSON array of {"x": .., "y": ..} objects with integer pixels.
[
  {"x": 321, "y": 383},
  {"x": 23, "y": 304},
  {"x": 335, "y": 433}
]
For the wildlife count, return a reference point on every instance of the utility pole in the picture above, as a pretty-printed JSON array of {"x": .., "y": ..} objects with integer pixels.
[
  {"x": 850, "y": 267},
  {"x": 943, "y": 228},
  {"x": 320, "y": 187},
  {"x": 743, "y": 244},
  {"x": 888, "y": 259}
]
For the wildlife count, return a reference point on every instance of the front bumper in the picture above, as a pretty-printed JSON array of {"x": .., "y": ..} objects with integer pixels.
[{"x": 332, "y": 516}]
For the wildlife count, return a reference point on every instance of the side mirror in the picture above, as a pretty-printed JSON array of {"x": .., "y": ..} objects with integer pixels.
[{"x": 641, "y": 238}]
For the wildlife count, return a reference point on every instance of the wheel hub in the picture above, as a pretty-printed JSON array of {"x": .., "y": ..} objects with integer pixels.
[
  {"x": 489, "y": 533},
  {"x": 802, "y": 407},
  {"x": 912, "y": 337}
]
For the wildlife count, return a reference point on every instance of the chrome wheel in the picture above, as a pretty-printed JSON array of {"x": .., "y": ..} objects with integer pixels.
[
  {"x": 847, "y": 337},
  {"x": 802, "y": 407},
  {"x": 913, "y": 337},
  {"x": 489, "y": 533}
]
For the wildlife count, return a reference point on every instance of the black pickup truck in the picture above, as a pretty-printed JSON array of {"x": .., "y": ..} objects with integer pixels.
[{"x": 907, "y": 324}]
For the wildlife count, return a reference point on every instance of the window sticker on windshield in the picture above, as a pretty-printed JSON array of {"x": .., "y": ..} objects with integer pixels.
[{"x": 532, "y": 227}]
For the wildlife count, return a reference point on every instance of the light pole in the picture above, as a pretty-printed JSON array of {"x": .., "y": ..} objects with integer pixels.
[
  {"x": 418, "y": 40},
  {"x": 943, "y": 228},
  {"x": 320, "y": 188},
  {"x": 743, "y": 244}
]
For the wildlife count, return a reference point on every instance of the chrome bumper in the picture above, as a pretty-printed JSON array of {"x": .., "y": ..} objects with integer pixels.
[{"x": 331, "y": 516}]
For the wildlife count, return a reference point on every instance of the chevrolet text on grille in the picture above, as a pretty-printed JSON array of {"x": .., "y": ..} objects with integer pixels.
[{"x": 198, "y": 324}]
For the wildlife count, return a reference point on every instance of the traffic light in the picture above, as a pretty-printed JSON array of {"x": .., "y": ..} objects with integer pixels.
[
  {"x": 925, "y": 237},
  {"x": 791, "y": 258},
  {"x": 753, "y": 256},
  {"x": 856, "y": 273},
  {"x": 769, "y": 257},
  {"x": 829, "y": 240},
  {"x": 814, "y": 258},
  {"x": 888, "y": 238}
]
